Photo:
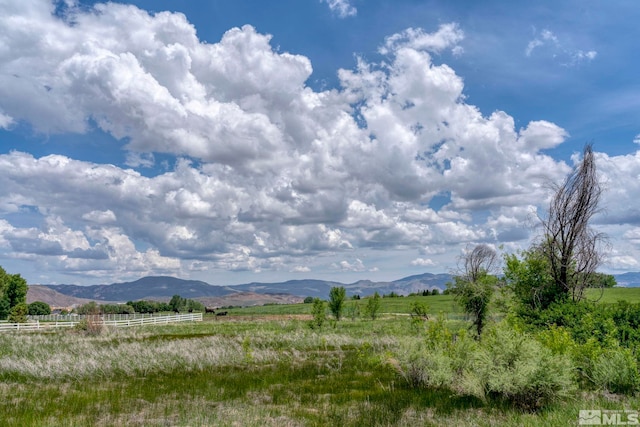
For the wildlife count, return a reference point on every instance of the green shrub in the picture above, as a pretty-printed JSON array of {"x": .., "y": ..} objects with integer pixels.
[
  {"x": 39, "y": 308},
  {"x": 18, "y": 313},
  {"x": 616, "y": 370},
  {"x": 352, "y": 311},
  {"x": 515, "y": 367},
  {"x": 506, "y": 366},
  {"x": 372, "y": 309},
  {"x": 418, "y": 315},
  {"x": 318, "y": 313},
  {"x": 91, "y": 325}
]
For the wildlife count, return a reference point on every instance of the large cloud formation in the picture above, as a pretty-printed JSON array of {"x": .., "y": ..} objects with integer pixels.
[{"x": 269, "y": 172}]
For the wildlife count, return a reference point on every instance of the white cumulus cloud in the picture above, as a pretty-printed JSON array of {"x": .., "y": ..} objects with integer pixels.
[{"x": 342, "y": 8}]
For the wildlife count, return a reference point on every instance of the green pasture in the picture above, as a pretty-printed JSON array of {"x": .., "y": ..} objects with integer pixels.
[
  {"x": 247, "y": 370},
  {"x": 611, "y": 295},
  {"x": 435, "y": 303},
  {"x": 240, "y": 372},
  {"x": 399, "y": 305}
]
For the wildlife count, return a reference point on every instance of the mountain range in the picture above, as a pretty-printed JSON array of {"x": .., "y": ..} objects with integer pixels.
[{"x": 164, "y": 287}]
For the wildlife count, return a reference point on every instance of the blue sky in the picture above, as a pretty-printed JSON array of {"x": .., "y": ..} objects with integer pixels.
[{"x": 264, "y": 141}]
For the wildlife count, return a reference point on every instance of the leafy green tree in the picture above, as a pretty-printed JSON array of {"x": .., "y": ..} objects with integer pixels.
[
  {"x": 18, "y": 313},
  {"x": 474, "y": 297},
  {"x": 308, "y": 300},
  {"x": 601, "y": 280},
  {"x": 193, "y": 305},
  {"x": 39, "y": 308},
  {"x": 13, "y": 291},
  {"x": 177, "y": 303},
  {"x": 16, "y": 290},
  {"x": 4, "y": 308},
  {"x": 474, "y": 286},
  {"x": 530, "y": 280},
  {"x": 142, "y": 306},
  {"x": 90, "y": 308},
  {"x": 318, "y": 313},
  {"x": 372, "y": 309},
  {"x": 337, "y": 295}
]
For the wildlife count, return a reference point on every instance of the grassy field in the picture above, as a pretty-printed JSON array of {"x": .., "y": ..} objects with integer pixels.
[
  {"x": 402, "y": 305},
  {"x": 262, "y": 366},
  {"x": 611, "y": 295},
  {"x": 435, "y": 303}
]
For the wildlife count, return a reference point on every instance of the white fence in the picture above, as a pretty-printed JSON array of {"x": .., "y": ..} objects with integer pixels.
[
  {"x": 159, "y": 320},
  {"x": 78, "y": 317}
]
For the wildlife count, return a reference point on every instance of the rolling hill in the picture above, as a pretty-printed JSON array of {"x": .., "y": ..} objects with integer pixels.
[{"x": 164, "y": 287}]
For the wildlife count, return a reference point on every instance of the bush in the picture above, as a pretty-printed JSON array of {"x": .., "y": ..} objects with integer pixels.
[
  {"x": 616, "y": 371},
  {"x": 418, "y": 314},
  {"x": 39, "y": 308},
  {"x": 515, "y": 367},
  {"x": 18, "y": 314},
  {"x": 352, "y": 311},
  {"x": 372, "y": 308},
  {"x": 91, "y": 325},
  {"x": 318, "y": 313},
  {"x": 505, "y": 366}
]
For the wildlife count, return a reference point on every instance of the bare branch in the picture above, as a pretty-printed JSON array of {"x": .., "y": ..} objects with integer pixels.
[{"x": 570, "y": 245}]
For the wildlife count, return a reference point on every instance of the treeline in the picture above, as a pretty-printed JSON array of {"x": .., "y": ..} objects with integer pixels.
[{"x": 177, "y": 304}]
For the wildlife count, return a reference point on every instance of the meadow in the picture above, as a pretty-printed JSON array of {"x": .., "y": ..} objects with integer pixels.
[{"x": 257, "y": 366}]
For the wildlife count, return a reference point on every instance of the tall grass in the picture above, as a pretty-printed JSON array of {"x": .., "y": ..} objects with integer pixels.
[{"x": 266, "y": 373}]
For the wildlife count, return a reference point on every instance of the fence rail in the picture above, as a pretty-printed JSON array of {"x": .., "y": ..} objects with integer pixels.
[
  {"x": 78, "y": 317},
  {"x": 158, "y": 320}
]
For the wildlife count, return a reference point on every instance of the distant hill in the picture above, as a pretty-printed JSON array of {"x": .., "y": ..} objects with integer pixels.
[
  {"x": 628, "y": 280},
  {"x": 151, "y": 288},
  {"x": 164, "y": 287},
  {"x": 301, "y": 288},
  {"x": 249, "y": 299},
  {"x": 52, "y": 297}
]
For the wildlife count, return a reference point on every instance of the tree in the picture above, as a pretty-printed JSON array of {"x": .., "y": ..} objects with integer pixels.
[
  {"x": 529, "y": 278},
  {"x": 16, "y": 290},
  {"x": 373, "y": 306},
  {"x": 318, "y": 313},
  {"x": 13, "y": 291},
  {"x": 571, "y": 247},
  {"x": 39, "y": 308},
  {"x": 177, "y": 303},
  {"x": 337, "y": 295},
  {"x": 193, "y": 305},
  {"x": 601, "y": 280},
  {"x": 18, "y": 313},
  {"x": 4, "y": 308},
  {"x": 474, "y": 285},
  {"x": 89, "y": 309}
]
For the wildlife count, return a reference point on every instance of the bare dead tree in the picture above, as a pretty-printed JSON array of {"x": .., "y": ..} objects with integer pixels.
[
  {"x": 570, "y": 246},
  {"x": 482, "y": 259},
  {"x": 474, "y": 285}
]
